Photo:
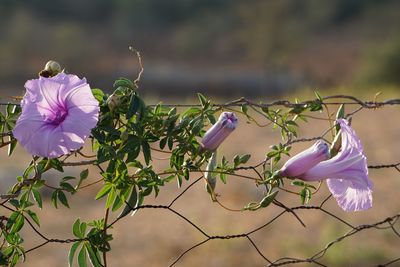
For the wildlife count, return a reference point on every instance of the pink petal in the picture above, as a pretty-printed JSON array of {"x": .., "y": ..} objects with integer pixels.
[
  {"x": 57, "y": 116},
  {"x": 216, "y": 138},
  {"x": 78, "y": 125},
  {"x": 48, "y": 142},
  {"x": 80, "y": 96},
  {"x": 351, "y": 195}
]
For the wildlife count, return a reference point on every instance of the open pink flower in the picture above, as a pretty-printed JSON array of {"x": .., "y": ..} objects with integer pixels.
[
  {"x": 58, "y": 114},
  {"x": 226, "y": 123},
  {"x": 346, "y": 173}
]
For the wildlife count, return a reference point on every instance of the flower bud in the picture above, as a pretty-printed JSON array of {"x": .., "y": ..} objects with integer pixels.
[
  {"x": 211, "y": 176},
  {"x": 305, "y": 160},
  {"x": 226, "y": 123}
]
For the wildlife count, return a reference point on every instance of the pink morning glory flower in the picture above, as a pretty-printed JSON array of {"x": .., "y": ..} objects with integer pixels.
[
  {"x": 226, "y": 123},
  {"x": 305, "y": 160},
  {"x": 58, "y": 114},
  {"x": 346, "y": 173}
]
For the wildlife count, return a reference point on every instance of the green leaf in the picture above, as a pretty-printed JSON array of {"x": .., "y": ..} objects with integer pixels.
[
  {"x": 245, "y": 158},
  {"x": 298, "y": 183},
  {"x": 292, "y": 123},
  {"x": 3, "y": 259},
  {"x": 134, "y": 106},
  {"x": 11, "y": 220},
  {"x": 191, "y": 112},
  {"x": 82, "y": 228},
  {"x": 76, "y": 230},
  {"x": 146, "y": 152},
  {"x": 82, "y": 262},
  {"x": 244, "y": 108},
  {"x": 72, "y": 251},
  {"x": 56, "y": 164},
  {"x": 68, "y": 187},
  {"x": 11, "y": 147},
  {"x": 54, "y": 199},
  {"x": 98, "y": 94},
  {"x": 63, "y": 198},
  {"x": 170, "y": 142},
  {"x": 179, "y": 180},
  {"x": 319, "y": 97},
  {"x": 132, "y": 202},
  {"x": 339, "y": 115},
  {"x": 18, "y": 224},
  {"x": 84, "y": 174},
  {"x": 265, "y": 110},
  {"x": 14, "y": 202},
  {"x": 202, "y": 99},
  {"x": 94, "y": 260},
  {"x": 163, "y": 142},
  {"x": 236, "y": 160},
  {"x": 340, "y": 112},
  {"x": 117, "y": 203},
  {"x": 103, "y": 191},
  {"x": 268, "y": 199},
  {"x": 15, "y": 259},
  {"x": 222, "y": 176},
  {"x": 197, "y": 126},
  {"x": 298, "y": 109},
  {"x": 305, "y": 195},
  {"x": 34, "y": 216},
  {"x": 110, "y": 198},
  {"x": 211, "y": 118},
  {"x": 124, "y": 82},
  {"x": 67, "y": 178},
  {"x": 133, "y": 153},
  {"x": 9, "y": 109}
]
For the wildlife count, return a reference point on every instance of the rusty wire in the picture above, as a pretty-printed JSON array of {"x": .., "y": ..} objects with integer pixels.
[{"x": 390, "y": 223}]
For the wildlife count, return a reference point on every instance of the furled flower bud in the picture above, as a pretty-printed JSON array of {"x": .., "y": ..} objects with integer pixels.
[
  {"x": 113, "y": 101},
  {"x": 211, "y": 176},
  {"x": 305, "y": 160},
  {"x": 226, "y": 123}
]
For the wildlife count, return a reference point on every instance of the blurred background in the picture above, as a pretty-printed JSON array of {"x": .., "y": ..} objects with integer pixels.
[
  {"x": 213, "y": 46},
  {"x": 225, "y": 49}
]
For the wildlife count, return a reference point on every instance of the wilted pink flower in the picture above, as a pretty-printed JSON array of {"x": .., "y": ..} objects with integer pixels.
[
  {"x": 58, "y": 114},
  {"x": 346, "y": 173},
  {"x": 305, "y": 160},
  {"x": 226, "y": 123}
]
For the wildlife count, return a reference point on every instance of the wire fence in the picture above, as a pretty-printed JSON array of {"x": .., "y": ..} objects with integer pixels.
[{"x": 390, "y": 223}]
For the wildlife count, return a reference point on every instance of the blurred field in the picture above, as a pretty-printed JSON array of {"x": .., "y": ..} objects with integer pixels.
[
  {"x": 157, "y": 237},
  {"x": 221, "y": 45}
]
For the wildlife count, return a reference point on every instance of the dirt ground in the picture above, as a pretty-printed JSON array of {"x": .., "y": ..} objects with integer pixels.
[{"x": 158, "y": 237}]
